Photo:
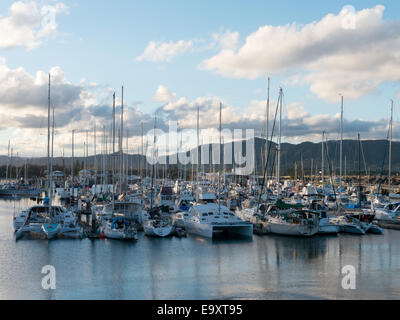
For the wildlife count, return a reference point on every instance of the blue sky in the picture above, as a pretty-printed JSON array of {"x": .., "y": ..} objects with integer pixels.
[{"x": 101, "y": 40}]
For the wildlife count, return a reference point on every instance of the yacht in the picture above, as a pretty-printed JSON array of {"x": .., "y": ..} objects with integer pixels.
[
  {"x": 158, "y": 228},
  {"x": 184, "y": 201},
  {"x": 326, "y": 226},
  {"x": 348, "y": 224},
  {"x": 157, "y": 223},
  {"x": 208, "y": 219},
  {"x": 119, "y": 228},
  {"x": 166, "y": 198},
  {"x": 283, "y": 219},
  {"x": 388, "y": 213}
]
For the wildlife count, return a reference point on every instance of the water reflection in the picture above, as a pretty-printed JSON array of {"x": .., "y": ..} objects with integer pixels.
[{"x": 197, "y": 268}]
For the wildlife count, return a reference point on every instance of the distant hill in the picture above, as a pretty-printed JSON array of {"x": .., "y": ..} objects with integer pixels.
[{"x": 374, "y": 152}]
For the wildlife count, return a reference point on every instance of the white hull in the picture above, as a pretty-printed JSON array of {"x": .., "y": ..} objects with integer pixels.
[
  {"x": 208, "y": 230},
  {"x": 158, "y": 232},
  {"x": 289, "y": 229},
  {"x": 375, "y": 229},
  {"x": 325, "y": 227},
  {"x": 120, "y": 235},
  {"x": 352, "y": 228}
]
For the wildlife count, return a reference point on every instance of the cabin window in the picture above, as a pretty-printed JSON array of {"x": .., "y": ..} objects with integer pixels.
[
  {"x": 210, "y": 213},
  {"x": 186, "y": 215},
  {"x": 204, "y": 214}
]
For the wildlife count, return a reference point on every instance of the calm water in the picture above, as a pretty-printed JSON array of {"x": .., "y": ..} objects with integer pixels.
[{"x": 268, "y": 267}]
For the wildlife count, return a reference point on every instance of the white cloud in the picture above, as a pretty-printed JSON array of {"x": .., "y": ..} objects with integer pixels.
[
  {"x": 163, "y": 94},
  {"x": 28, "y": 24},
  {"x": 298, "y": 125},
  {"x": 226, "y": 40},
  {"x": 164, "y": 51},
  {"x": 323, "y": 54}
]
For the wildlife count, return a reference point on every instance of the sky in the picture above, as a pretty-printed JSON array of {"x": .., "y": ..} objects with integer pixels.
[{"x": 173, "y": 57}]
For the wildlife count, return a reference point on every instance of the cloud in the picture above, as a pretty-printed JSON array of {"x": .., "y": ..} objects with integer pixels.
[
  {"x": 225, "y": 40},
  {"x": 164, "y": 51},
  {"x": 28, "y": 25},
  {"x": 20, "y": 90},
  {"x": 297, "y": 125},
  {"x": 163, "y": 94},
  {"x": 324, "y": 54}
]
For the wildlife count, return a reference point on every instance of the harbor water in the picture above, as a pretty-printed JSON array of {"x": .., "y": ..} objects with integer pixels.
[{"x": 266, "y": 267}]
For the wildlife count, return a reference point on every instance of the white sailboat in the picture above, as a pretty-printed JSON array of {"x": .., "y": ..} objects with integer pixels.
[
  {"x": 158, "y": 228},
  {"x": 209, "y": 218},
  {"x": 119, "y": 228}
]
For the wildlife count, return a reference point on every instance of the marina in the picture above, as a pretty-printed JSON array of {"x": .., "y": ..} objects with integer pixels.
[
  {"x": 199, "y": 151},
  {"x": 266, "y": 267},
  {"x": 272, "y": 224}
]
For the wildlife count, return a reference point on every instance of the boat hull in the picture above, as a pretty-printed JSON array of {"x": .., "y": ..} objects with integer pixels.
[
  {"x": 287, "y": 229},
  {"x": 209, "y": 230},
  {"x": 51, "y": 230},
  {"x": 354, "y": 229},
  {"x": 159, "y": 232}
]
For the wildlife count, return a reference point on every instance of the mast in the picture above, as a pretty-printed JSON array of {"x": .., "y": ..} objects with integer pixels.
[
  {"x": 278, "y": 168},
  {"x": 52, "y": 152},
  {"x": 220, "y": 158},
  {"x": 198, "y": 156},
  {"x": 141, "y": 158},
  {"x": 322, "y": 161},
  {"x": 95, "y": 161},
  {"x": 121, "y": 155},
  {"x": 359, "y": 168},
  {"x": 8, "y": 161},
  {"x": 267, "y": 130},
  {"x": 341, "y": 144},
  {"x": 153, "y": 165},
  {"x": 48, "y": 138},
  {"x": 113, "y": 152},
  {"x": 51, "y": 162},
  {"x": 72, "y": 166},
  {"x": 390, "y": 144},
  {"x": 87, "y": 159}
]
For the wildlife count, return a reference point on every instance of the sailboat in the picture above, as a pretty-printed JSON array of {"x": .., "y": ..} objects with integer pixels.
[
  {"x": 117, "y": 221},
  {"x": 120, "y": 228},
  {"x": 157, "y": 222},
  {"x": 209, "y": 218}
]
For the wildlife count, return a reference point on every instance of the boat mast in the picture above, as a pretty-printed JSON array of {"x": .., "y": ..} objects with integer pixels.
[
  {"x": 72, "y": 165},
  {"x": 359, "y": 168},
  {"x": 95, "y": 160},
  {"x": 51, "y": 161},
  {"x": 198, "y": 156},
  {"x": 153, "y": 164},
  {"x": 390, "y": 144},
  {"x": 220, "y": 158},
  {"x": 279, "y": 143},
  {"x": 322, "y": 161},
  {"x": 48, "y": 140},
  {"x": 121, "y": 155},
  {"x": 341, "y": 144},
  {"x": 113, "y": 152},
  {"x": 267, "y": 132},
  {"x": 8, "y": 160},
  {"x": 142, "y": 157}
]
